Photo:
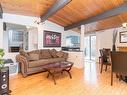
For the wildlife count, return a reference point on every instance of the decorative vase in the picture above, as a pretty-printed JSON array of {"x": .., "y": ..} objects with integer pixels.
[{"x": 114, "y": 47}]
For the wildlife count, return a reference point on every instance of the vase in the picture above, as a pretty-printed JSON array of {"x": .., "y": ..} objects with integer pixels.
[{"x": 114, "y": 47}]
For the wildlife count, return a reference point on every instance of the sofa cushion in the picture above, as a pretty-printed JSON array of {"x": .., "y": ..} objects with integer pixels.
[
  {"x": 60, "y": 54},
  {"x": 33, "y": 56},
  {"x": 53, "y": 53},
  {"x": 44, "y": 62},
  {"x": 45, "y": 54},
  {"x": 34, "y": 52}
]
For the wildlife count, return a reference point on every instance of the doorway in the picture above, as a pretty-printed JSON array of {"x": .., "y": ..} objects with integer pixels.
[{"x": 90, "y": 47}]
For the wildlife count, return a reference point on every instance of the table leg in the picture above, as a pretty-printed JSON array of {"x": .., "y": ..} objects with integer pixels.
[
  {"x": 68, "y": 71},
  {"x": 54, "y": 79},
  {"x": 49, "y": 73}
]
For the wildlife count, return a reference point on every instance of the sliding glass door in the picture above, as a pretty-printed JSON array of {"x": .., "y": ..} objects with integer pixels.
[
  {"x": 87, "y": 48},
  {"x": 90, "y": 47}
]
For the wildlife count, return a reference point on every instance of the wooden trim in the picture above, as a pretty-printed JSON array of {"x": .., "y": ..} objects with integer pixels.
[
  {"x": 57, "y": 6},
  {"x": 107, "y": 14}
]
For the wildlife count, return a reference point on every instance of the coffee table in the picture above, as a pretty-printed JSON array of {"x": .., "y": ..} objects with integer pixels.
[{"x": 58, "y": 67}]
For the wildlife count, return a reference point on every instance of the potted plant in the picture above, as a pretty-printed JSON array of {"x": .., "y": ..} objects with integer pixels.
[
  {"x": 1, "y": 56},
  {"x": 114, "y": 39}
]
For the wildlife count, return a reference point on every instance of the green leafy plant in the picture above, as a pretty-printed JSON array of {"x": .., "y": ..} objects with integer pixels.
[{"x": 1, "y": 56}]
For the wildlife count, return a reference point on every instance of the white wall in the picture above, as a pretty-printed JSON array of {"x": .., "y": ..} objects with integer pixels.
[
  {"x": 15, "y": 19},
  {"x": 32, "y": 38},
  {"x": 20, "y": 19},
  {"x": 104, "y": 39},
  {"x": 30, "y": 21},
  {"x": 50, "y": 26},
  {"x": 118, "y": 43}
]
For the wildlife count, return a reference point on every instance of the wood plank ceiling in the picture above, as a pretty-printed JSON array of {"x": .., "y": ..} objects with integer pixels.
[
  {"x": 26, "y": 7},
  {"x": 78, "y": 10},
  {"x": 75, "y": 11},
  {"x": 108, "y": 23}
]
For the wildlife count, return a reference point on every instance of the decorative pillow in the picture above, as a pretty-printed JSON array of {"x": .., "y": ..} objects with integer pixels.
[
  {"x": 53, "y": 53},
  {"x": 60, "y": 54},
  {"x": 45, "y": 54},
  {"x": 65, "y": 55},
  {"x": 33, "y": 57}
]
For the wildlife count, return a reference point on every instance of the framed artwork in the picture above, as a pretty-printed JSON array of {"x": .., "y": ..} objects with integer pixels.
[
  {"x": 52, "y": 39},
  {"x": 123, "y": 37}
]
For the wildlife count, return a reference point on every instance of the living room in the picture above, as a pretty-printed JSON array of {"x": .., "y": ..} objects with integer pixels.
[{"x": 25, "y": 27}]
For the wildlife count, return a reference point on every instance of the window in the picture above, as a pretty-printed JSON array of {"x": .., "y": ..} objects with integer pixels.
[
  {"x": 72, "y": 41},
  {"x": 90, "y": 47},
  {"x": 15, "y": 37},
  {"x": 15, "y": 40}
]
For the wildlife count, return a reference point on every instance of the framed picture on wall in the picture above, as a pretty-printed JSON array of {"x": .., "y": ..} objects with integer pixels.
[
  {"x": 123, "y": 37},
  {"x": 52, "y": 39}
]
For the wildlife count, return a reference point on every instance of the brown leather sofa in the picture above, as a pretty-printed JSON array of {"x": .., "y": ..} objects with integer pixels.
[{"x": 35, "y": 61}]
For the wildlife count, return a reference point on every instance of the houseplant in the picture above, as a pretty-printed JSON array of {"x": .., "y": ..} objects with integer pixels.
[
  {"x": 114, "y": 39},
  {"x": 1, "y": 56}
]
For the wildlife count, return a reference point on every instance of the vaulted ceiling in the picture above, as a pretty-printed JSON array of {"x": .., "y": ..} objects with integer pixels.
[
  {"x": 78, "y": 10},
  {"x": 112, "y": 22},
  {"x": 75, "y": 11}
]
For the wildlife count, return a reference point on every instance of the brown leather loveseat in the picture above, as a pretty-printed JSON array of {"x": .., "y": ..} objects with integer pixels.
[{"x": 35, "y": 61}]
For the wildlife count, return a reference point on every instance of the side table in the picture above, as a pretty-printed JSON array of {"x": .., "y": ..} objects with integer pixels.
[{"x": 13, "y": 66}]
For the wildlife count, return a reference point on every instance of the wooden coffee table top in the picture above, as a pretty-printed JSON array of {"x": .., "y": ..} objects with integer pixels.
[{"x": 62, "y": 65}]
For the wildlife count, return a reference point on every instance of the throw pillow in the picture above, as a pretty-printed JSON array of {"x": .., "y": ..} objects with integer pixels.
[
  {"x": 65, "y": 55},
  {"x": 53, "y": 53},
  {"x": 45, "y": 54},
  {"x": 60, "y": 54}
]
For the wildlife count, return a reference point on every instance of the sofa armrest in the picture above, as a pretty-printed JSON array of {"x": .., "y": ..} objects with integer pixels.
[{"x": 23, "y": 63}]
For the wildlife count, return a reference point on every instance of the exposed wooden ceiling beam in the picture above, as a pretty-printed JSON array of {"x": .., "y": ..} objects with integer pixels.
[
  {"x": 1, "y": 11},
  {"x": 57, "y": 6},
  {"x": 107, "y": 14}
]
